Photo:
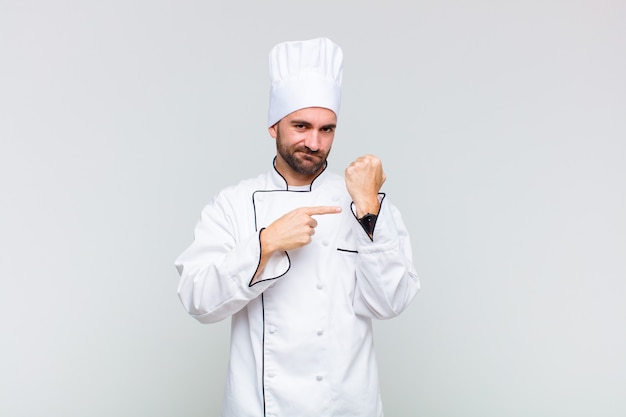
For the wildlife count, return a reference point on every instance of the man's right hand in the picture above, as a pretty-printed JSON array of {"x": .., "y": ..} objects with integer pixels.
[{"x": 293, "y": 229}]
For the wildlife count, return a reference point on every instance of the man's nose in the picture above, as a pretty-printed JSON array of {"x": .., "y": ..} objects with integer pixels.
[{"x": 312, "y": 140}]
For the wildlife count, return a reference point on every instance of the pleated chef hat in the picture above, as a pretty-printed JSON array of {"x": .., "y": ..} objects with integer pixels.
[{"x": 304, "y": 74}]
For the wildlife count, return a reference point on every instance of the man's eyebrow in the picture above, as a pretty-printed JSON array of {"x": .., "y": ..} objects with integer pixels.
[
  {"x": 308, "y": 124},
  {"x": 300, "y": 122}
]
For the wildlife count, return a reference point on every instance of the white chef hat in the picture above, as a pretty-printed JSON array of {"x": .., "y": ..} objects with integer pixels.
[{"x": 304, "y": 74}]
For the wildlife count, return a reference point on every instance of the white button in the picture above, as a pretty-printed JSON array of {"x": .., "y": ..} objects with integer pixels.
[
  {"x": 271, "y": 374},
  {"x": 320, "y": 332},
  {"x": 272, "y": 329},
  {"x": 325, "y": 242},
  {"x": 319, "y": 286},
  {"x": 259, "y": 197},
  {"x": 319, "y": 377}
]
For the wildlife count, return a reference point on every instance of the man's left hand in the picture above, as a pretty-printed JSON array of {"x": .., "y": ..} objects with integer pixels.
[{"x": 364, "y": 177}]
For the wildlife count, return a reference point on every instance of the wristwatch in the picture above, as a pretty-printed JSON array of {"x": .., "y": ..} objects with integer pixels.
[{"x": 368, "y": 222}]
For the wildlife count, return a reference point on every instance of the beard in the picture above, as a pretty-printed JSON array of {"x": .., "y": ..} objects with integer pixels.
[{"x": 301, "y": 159}]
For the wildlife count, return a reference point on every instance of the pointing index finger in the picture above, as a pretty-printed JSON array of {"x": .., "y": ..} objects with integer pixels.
[{"x": 315, "y": 210}]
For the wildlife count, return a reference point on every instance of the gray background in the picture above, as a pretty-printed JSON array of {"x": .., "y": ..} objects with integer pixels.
[{"x": 501, "y": 126}]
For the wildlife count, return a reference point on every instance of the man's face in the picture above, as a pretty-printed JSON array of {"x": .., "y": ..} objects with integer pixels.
[{"x": 303, "y": 142}]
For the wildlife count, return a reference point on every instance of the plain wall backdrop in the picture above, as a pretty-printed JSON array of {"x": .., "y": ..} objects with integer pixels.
[{"x": 501, "y": 126}]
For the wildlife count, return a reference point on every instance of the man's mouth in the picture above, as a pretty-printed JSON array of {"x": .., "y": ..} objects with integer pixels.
[{"x": 309, "y": 155}]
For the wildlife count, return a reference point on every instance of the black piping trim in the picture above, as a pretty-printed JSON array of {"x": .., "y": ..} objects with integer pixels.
[
  {"x": 281, "y": 175},
  {"x": 317, "y": 176},
  {"x": 250, "y": 284},
  {"x": 379, "y": 210},
  {"x": 347, "y": 250},
  {"x": 263, "y": 350},
  {"x": 273, "y": 278},
  {"x": 256, "y": 227}
]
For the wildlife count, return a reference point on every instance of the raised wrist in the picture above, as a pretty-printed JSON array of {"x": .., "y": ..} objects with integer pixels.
[{"x": 369, "y": 207}]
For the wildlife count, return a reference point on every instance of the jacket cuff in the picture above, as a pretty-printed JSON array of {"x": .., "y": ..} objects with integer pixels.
[
  {"x": 277, "y": 266},
  {"x": 368, "y": 221}
]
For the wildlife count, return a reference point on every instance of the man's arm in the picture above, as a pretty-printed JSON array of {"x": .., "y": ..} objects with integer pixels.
[
  {"x": 386, "y": 278},
  {"x": 215, "y": 270}
]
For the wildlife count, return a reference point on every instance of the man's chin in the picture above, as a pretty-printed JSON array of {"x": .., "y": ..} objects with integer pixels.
[{"x": 310, "y": 167}]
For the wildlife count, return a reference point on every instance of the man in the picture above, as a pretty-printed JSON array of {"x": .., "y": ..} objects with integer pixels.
[{"x": 301, "y": 259}]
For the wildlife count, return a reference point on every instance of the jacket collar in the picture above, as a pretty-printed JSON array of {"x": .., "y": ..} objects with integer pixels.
[{"x": 278, "y": 181}]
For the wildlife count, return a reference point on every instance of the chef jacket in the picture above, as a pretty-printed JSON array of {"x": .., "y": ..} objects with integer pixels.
[{"x": 301, "y": 336}]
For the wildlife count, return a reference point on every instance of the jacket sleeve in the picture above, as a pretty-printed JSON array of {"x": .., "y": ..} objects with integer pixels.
[
  {"x": 218, "y": 267},
  {"x": 386, "y": 279}
]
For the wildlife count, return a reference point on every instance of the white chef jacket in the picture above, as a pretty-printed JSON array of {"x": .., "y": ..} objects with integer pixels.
[{"x": 301, "y": 337}]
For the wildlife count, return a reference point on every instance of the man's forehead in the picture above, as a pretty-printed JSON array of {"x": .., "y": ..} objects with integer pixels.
[{"x": 312, "y": 115}]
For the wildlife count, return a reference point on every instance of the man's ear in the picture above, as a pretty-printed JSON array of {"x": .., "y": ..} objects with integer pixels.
[{"x": 273, "y": 130}]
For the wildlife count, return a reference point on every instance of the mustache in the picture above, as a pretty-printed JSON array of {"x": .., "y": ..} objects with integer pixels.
[{"x": 308, "y": 151}]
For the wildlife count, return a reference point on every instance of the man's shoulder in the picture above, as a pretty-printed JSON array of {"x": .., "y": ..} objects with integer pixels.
[
  {"x": 244, "y": 187},
  {"x": 234, "y": 198}
]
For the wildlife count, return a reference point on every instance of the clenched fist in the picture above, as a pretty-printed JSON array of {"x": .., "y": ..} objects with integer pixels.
[{"x": 364, "y": 177}]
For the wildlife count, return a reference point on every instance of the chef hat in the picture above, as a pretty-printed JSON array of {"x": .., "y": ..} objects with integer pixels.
[{"x": 304, "y": 74}]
